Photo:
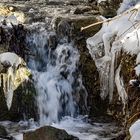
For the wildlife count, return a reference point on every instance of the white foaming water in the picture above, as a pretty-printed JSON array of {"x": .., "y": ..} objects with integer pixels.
[
  {"x": 55, "y": 91},
  {"x": 73, "y": 126},
  {"x": 57, "y": 80},
  {"x": 85, "y": 131}
]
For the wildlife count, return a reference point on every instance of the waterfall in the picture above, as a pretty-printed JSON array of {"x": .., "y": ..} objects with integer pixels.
[{"x": 55, "y": 74}]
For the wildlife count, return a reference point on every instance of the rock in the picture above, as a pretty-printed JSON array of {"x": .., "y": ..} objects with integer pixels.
[
  {"x": 109, "y": 8},
  {"x": 48, "y": 133},
  {"x": 3, "y": 131},
  {"x": 71, "y": 27},
  {"x": 12, "y": 13},
  {"x": 78, "y": 11},
  {"x": 23, "y": 104},
  {"x": 92, "y": 1},
  {"x": 82, "y": 10},
  {"x": 14, "y": 77},
  {"x": 52, "y": 42}
]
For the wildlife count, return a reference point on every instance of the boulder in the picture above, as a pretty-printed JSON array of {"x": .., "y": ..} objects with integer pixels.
[
  {"x": 13, "y": 73},
  {"x": 48, "y": 133},
  {"x": 17, "y": 92}
]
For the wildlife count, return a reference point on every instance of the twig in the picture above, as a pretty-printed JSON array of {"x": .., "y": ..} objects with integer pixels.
[{"x": 94, "y": 24}]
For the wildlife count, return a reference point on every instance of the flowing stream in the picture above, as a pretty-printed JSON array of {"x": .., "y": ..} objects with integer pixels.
[{"x": 58, "y": 82}]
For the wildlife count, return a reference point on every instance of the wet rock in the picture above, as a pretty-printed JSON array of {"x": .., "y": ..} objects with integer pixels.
[
  {"x": 82, "y": 10},
  {"x": 23, "y": 104},
  {"x": 48, "y": 133},
  {"x": 74, "y": 2},
  {"x": 3, "y": 131},
  {"x": 64, "y": 29},
  {"x": 52, "y": 42},
  {"x": 109, "y": 8},
  {"x": 71, "y": 27},
  {"x": 12, "y": 39},
  {"x": 78, "y": 11},
  {"x": 4, "y": 134}
]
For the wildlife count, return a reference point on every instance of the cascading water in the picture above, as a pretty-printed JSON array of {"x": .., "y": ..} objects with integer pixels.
[
  {"x": 55, "y": 76},
  {"x": 54, "y": 67}
]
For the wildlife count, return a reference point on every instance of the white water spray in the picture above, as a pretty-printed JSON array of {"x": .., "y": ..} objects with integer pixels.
[{"x": 56, "y": 77}]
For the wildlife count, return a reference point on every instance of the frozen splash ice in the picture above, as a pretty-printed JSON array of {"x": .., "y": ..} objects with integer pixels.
[
  {"x": 57, "y": 80},
  {"x": 120, "y": 34}
]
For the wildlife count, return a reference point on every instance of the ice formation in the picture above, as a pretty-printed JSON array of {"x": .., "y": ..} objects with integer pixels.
[
  {"x": 126, "y": 4},
  {"x": 135, "y": 130},
  {"x": 137, "y": 69},
  {"x": 121, "y": 33},
  {"x": 120, "y": 86},
  {"x": 99, "y": 1},
  {"x": 13, "y": 73}
]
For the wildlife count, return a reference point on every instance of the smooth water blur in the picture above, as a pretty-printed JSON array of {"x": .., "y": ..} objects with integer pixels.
[{"x": 56, "y": 76}]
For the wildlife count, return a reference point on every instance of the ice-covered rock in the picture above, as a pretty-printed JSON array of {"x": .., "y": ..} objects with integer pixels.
[
  {"x": 108, "y": 8},
  {"x": 13, "y": 73},
  {"x": 117, "y": 35},
  {"x": 10, "y": 15},
  {"x": 12, "y": 19}
]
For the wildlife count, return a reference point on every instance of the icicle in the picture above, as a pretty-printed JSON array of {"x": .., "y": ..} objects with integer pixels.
[
  {"x": 103, "y": 65},
  {"x": 120, "y": 87}
]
